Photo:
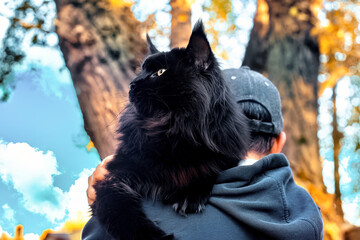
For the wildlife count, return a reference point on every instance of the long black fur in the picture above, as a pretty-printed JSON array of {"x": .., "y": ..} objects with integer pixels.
[{"x": 178, "y": 132}]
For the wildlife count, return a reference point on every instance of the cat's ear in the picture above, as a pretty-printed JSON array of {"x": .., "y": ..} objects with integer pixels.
[
  {"x": 199, "y": 47},
  {"x": 151, "y": 46}
]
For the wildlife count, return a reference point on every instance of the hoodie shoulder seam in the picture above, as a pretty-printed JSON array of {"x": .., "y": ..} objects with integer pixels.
[
  {"x": 282, "y": 195},
  {"x": 313, "y": 226}
]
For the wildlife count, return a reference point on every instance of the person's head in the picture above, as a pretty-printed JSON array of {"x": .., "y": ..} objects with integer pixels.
[{"x": 260, "y": 101}]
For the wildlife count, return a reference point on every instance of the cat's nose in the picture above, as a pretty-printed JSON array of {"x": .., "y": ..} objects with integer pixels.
[
  {"x": 138, "y": 78},
  {"x": 133, "y": 82}
]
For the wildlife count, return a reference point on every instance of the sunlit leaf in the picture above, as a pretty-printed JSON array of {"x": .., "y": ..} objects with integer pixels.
[
  {"x": 334, "y": 77},
  {"x": 336, "y": 43},
  {"x": 90, "y": 146},
  {"x": 45, "y": 233},
  {"x": 121, "y": 3}
]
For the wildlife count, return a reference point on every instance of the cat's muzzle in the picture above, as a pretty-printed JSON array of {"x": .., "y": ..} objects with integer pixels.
[{"x": 132, "y": 87}]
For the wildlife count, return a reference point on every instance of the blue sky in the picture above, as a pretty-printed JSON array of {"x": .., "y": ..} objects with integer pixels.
[
  {"x": 42, "y": 147},
  {"x": 43, "y": 160}
]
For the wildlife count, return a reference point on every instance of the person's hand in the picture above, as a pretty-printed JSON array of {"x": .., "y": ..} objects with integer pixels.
[{"x": 98, "y": 175}]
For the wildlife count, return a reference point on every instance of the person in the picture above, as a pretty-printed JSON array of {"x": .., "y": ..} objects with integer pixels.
[{"x": 258, "y": 199}]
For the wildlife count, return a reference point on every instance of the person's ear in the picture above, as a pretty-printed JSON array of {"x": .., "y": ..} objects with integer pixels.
[{"x": 278, "y": 143}]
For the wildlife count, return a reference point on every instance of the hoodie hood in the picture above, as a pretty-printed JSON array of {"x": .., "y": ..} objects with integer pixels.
[{"x": 265, "y": 198}]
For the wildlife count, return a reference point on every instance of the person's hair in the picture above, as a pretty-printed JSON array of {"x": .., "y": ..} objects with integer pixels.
[{"x": 260, "y": 142}]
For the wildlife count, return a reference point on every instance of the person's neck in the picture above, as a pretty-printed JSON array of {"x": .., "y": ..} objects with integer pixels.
[{"x": 254, "y": 155}]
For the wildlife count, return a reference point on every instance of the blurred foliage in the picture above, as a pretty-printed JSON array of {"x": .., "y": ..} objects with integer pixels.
[
  {"x": 354, "y": 120},
  {"x": 121, "y": 3},
  {"x": 71, "y": 229},
  {"x": 220, "y": 12},
  {"x": 353, "y": 124},
  {"x": 339, "y": 38},
  {"x": 17, "y": 236},
  {"x": 27, "y": 25},
  {"x": 222, "y": 8},
  {"x": 339, "y": 47}
]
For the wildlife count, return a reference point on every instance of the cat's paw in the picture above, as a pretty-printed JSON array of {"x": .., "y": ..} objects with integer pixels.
[{"x": 185, "y": 206}]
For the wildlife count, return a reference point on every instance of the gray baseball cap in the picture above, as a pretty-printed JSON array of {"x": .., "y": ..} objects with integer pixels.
[{"x": 248, "y": 85}]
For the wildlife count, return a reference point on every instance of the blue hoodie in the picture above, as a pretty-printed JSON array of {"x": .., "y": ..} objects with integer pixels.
[{"x": 259, "y": 201}]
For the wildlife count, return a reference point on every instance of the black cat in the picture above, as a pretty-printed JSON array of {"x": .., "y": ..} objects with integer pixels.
[{"x": 180, "y": 129}]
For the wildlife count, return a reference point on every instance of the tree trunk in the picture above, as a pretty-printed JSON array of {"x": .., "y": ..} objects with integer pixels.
[
  {"x": 353, "y": 233},
  {"x": 102, "y": 48},
  {"x": 180, "y": 23},
  {"x": 337, "y": 136},
  {"x": 282, "y": 47}
]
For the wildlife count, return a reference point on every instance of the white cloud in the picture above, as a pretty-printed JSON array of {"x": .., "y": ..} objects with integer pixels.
[
  {"x": 9, "y": 213},
  {"x": 8, "y": 217},
  {"x": 77, "y": 199},
  {"x": 77, "y": 204},
  {"x": 31, "y": 236},
  {"x": 30, "y": 171}
]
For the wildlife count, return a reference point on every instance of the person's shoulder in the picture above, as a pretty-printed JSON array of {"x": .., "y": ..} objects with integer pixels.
[
  {"x": 211, "y": 223},
  {"x": 299, "y": 207}
]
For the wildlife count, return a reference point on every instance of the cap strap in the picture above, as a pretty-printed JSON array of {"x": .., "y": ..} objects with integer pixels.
[{"x": 259, "y": 126}]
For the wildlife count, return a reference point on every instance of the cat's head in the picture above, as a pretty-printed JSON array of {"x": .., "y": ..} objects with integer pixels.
[
  {"x": 183, "y": 94},
  {"x": 182, "y": 78}
]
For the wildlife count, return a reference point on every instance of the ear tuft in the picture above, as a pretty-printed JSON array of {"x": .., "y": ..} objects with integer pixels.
[
  {"x": 199, "y": 47},
  {"x": 151, "y": 46}
]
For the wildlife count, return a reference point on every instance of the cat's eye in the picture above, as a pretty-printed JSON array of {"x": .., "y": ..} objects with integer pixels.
[
  {"x": 158, "y": 73},
  {"x": 161, "y": 71}
]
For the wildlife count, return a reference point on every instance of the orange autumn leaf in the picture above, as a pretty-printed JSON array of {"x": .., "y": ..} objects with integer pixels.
[
  {"x": 90, "y": 146},
  {"x": 121, "y": 3}
]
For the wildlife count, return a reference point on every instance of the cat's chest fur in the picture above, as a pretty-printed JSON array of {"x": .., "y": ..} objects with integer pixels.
[{"x": 164, "y": 159}]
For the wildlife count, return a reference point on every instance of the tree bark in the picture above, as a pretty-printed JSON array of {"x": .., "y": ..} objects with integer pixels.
[
  {"x": 180, "y": 23},
  {"x": 337, "y": 136},
  {"x": 353, "y": 233},
  {"x": 282, "y": 47},
  {"x": 102, "y": 47}
]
